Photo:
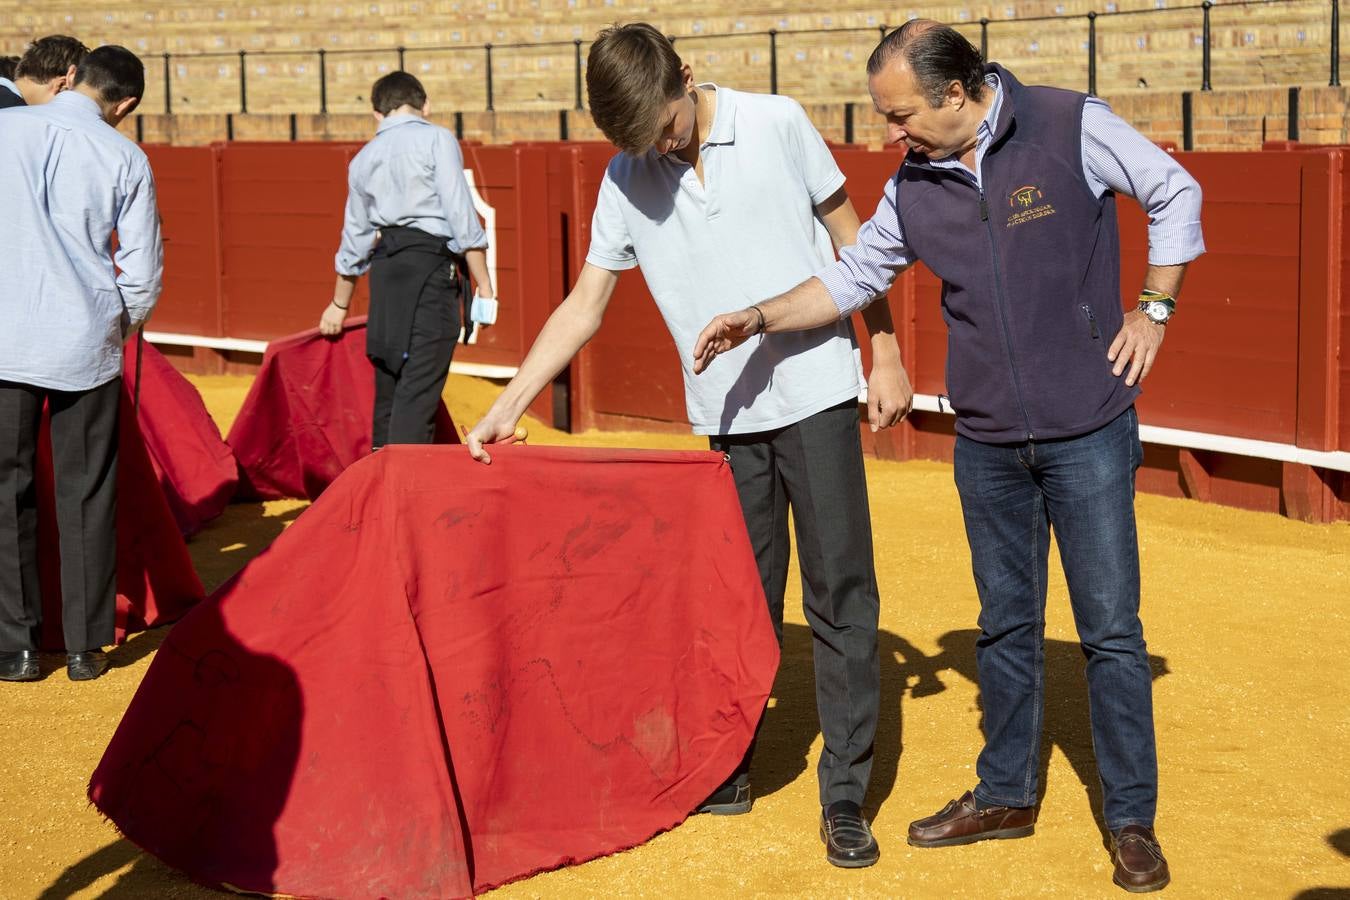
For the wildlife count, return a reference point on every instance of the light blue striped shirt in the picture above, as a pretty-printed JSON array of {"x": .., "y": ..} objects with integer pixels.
[
  {"x": 1115, "y": 158},
  {"x": 68, "y": 180},
  {"x": 411, "y": 173}
]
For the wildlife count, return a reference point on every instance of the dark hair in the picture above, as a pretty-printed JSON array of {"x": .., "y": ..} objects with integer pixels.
[
  {"x": 936, "y": 54},
  {"x": 115, "y": 72},
  {"x": 50, "y": 57},
  {"x": 632, "y": 74},
  {"x": 397, "y": 89},
  {"x": 7, "y": 66}
]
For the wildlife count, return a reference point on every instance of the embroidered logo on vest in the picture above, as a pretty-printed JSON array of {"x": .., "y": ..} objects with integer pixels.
[{"x": 1028, "y": 204}]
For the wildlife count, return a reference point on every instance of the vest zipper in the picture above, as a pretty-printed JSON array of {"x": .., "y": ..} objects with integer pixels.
[{"x": 1000, "y": 302}]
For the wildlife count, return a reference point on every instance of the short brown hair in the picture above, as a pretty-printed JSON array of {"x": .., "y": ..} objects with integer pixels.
[
  {"x": 632, "y": 74},
  {"x": 397, "y": 89},
  {"x": 50, "y": 57},
  {"x": 7, "y": 66}
]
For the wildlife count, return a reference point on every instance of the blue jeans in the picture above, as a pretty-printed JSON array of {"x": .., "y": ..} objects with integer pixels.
[{"x": 1011, "y": 495}]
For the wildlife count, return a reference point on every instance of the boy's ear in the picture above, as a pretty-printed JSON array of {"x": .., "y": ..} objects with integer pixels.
[
  {"x": 379, "y": 116},
  {"x": 688, "y": 75},
  {"x": 426, "y": 109}
]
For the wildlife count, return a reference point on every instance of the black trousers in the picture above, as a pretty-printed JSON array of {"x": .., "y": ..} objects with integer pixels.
[
  {"x": 815, "y": 469},
  {"x": 406, "y": 402},
  {"x": 84, "y": 464}
]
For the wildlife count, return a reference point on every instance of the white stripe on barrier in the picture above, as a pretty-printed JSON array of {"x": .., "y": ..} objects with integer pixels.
[
  {"x": 479, "y": 370},
  {"x": 1339, "y": 460},
  {"x": 1199, "y": 440}
]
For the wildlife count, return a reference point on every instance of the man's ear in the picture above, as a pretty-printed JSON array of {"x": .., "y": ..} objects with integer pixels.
[
  {"x": 426, "y": 109},
  {"x": 956, "y": 95},
  {"x": 66, "y": 81},
  {"x": 379, "y": 116},
  {"x": 687, "y": 75}
]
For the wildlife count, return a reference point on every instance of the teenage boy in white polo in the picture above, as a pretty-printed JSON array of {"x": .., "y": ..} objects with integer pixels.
[{"x": 721, "y": 194}]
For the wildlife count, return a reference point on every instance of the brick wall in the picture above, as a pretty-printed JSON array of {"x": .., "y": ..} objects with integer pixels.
[{"x": 1238, "y": 119}]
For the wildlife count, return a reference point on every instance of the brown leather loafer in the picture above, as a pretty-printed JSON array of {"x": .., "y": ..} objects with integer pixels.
[
  {"x": 961, "y": 822},
  {"x": 1140, "y": 866}
]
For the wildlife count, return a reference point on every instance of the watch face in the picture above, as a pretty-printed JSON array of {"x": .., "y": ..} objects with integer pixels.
[{"x": 1157, "y": 311}]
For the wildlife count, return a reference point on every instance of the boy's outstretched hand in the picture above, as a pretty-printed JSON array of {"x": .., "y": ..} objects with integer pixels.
[{"x": 490, "y": 430}]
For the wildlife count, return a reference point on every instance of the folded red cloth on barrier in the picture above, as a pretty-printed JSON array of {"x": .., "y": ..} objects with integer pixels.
[
  {"x": 195, "y": 467},
  {"x": 445, "y": 676},
  {"x": 308, "y": 414},
  {"x": 155, "y": 580}
]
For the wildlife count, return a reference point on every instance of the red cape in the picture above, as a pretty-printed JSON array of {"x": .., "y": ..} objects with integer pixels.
[
  {"x": 307, "y": 416},
  {"x": 445, "y": 676},
  {"x": 195, "y": 468},
  {"x": 155, "y": 579}
]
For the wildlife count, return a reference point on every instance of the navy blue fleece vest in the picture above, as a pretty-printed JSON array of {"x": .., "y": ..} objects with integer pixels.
[{"x": 1030, "y": 271}]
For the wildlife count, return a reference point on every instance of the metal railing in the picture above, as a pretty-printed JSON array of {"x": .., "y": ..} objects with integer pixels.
[{"x": 397, "y": 56}]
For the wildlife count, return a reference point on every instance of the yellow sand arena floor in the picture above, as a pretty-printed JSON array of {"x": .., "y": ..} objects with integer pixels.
[{"x": 1247, "y": 617}]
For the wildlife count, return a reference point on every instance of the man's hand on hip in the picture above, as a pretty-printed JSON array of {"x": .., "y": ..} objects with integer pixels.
[{"x": 1136, "y": 346}]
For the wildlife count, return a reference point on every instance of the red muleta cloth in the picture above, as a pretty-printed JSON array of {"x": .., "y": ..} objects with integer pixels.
[
  {"x": 307, "y": 416},
  {"x": 156, "y": 582},
  {"x": 195, "y": 467},
  {"x": 445, "y": 676}
]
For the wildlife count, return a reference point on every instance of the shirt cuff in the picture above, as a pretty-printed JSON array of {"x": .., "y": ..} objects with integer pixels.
[
  {"x": 601, "y": 261},
  {"x": 821, "y": 194},
  {"x": 1175, "y": 245},
  {"x": 846, "y": 294}
]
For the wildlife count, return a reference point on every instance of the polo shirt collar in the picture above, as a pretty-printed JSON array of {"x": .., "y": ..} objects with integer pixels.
[{"x": 723, "y": 130}]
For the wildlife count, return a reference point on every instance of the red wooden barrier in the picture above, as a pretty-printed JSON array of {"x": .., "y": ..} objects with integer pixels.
[{"x": 1255, "y": 354}]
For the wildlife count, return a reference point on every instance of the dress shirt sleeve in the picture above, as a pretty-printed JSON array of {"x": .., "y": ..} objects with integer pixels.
[
  {"x": 358, "y": 233},
  {"x": 611, "y": 244},
  {"x": 140, "y": 252},
  {"x": 867, "y": 269},
  {"x": 465, "y": 229},
  {"x": 820, "y": 173},
  {"x": 1118, "y": 158}
]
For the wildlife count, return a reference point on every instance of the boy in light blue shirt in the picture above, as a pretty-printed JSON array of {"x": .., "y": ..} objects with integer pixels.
[{"x": 410, "y": 222}]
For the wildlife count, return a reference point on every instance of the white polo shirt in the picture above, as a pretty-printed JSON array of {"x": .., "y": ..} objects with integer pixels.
[{"x": 746, "y": 233}]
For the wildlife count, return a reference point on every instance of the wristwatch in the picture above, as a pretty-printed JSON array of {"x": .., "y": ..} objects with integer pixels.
[{"x": 1157, "y": 306}]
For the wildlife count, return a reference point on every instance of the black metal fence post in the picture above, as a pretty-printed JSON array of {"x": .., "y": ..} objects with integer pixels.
[
  {"x": 243, "y": 82},
  {"x": 168, "y": 88},
  {"x": 401, "y": 52},
  {"x": 882, "y": 28},
  {"x": 848, "y": 123},
  {"x": 323, "y": 82},
  {"x": 773, "y": 60},
  {"x": 1092, "y": 52},
  {"x": 140, "y": 138},
  {"x": 562, "y": 125},
  {"x": 1187, "y": 122},
  {"x": 984, "y": 39},
  {"x": 1335, "y": 44},
  {"x": 576, "y": 67},
  {"x": 487, "y": 49},
  {"x": 1293, "y": 113},
  {"x": 1204, "y": 46},
  {"x": 459, "y": 125}
]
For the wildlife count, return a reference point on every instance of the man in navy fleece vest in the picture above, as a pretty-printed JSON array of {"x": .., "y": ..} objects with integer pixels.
[{"x": 1007, "y": 193}]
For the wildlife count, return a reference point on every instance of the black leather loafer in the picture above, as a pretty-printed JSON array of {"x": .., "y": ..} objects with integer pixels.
[
  {"x": 848, "y": 838},
  {"x": 19, "y": 665},
  {"x": 731, "y": 799},
  {"x": 86, "y": 666}
]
